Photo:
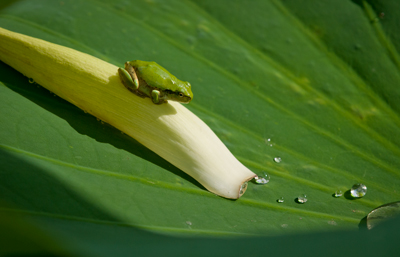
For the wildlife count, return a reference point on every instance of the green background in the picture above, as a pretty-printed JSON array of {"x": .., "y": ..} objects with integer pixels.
[{"x": 313, "y": 82}]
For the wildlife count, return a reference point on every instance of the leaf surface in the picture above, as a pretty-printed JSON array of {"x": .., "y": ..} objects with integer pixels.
[{"x": 312, "y": 82}]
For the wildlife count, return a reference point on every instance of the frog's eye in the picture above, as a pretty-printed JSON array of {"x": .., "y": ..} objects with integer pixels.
[{"x": 181, "y": 94}]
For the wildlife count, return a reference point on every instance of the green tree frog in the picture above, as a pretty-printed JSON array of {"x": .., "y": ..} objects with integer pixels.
[{"x": 148, "y": 79}]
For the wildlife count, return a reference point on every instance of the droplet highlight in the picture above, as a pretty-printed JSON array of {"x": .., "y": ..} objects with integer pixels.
[
  {"x": 263, "y": 179},
  {"x": 280, "y": 200},
  {"x": 338, "y": 193},
  {"x": 277, "y": 159},
  {"x": 302, "y": 198},
  {"x": 358, "y": 190},
  {"x": 268, "y": 141}
]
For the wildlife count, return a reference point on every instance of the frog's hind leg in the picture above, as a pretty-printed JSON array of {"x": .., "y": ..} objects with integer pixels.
[
  {"x": 132, "y": 73},
  {"x": 128, "y": 78}
]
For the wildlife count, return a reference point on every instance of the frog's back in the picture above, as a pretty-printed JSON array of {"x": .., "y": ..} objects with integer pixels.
[{"x": 155, "y": 75}]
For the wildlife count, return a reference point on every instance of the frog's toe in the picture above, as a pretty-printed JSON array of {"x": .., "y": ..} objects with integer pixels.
[{"x": 155, "y": 96}]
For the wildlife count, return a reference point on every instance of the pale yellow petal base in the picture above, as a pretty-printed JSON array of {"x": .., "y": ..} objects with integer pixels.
[{"x": 170, "y": 130}]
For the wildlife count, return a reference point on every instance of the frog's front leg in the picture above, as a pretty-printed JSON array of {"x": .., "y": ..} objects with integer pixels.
[
  {"x": 155, "y": 97},
  {"x": 128, "y": 77}
]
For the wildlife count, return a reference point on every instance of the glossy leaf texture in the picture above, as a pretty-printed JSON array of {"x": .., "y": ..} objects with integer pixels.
[{"x": 312, "y": 82}]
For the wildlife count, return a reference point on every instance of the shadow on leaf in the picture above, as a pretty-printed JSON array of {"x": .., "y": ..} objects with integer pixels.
[{"x": 84, "y": 123}]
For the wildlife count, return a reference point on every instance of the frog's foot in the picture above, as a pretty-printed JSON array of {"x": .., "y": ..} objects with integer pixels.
[{"x": 155, "y": 97}]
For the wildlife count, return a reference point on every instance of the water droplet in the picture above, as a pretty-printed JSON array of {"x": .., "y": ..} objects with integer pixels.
[
  {"x": 280, "y": 200},
  {"x": 358, "y": 190},
  {"x": 84, "y": 111},
  {"x": 263, "y": 179},
  {"x": 277, "y": 159},
  {"x": 284, "y": 225},
  {"x": 382, "y": 213},
  {"x": 243, "y": 188},
  {"x": 338, "y": 193},
  {"x": 269, "y": 142},
  {"x": 31, "y": 80},
  {"x": 189, "y": 223},
  {"x": 302, "y": 198},
  {"x": 332, "y": 222}
]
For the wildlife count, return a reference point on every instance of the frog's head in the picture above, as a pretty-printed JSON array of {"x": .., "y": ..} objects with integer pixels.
[{"x": 182, "y": 94}]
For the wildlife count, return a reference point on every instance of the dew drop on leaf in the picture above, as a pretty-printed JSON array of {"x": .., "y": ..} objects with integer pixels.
[
  {"x": 302, "y": 198},
  {"x": 338, "y": 193},
  {"x": 358, "y": 190},
  {"x": 263, "y": 179}
]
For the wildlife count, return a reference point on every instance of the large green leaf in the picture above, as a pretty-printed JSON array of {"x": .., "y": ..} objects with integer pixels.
[{"x": 313, "y": 82}]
